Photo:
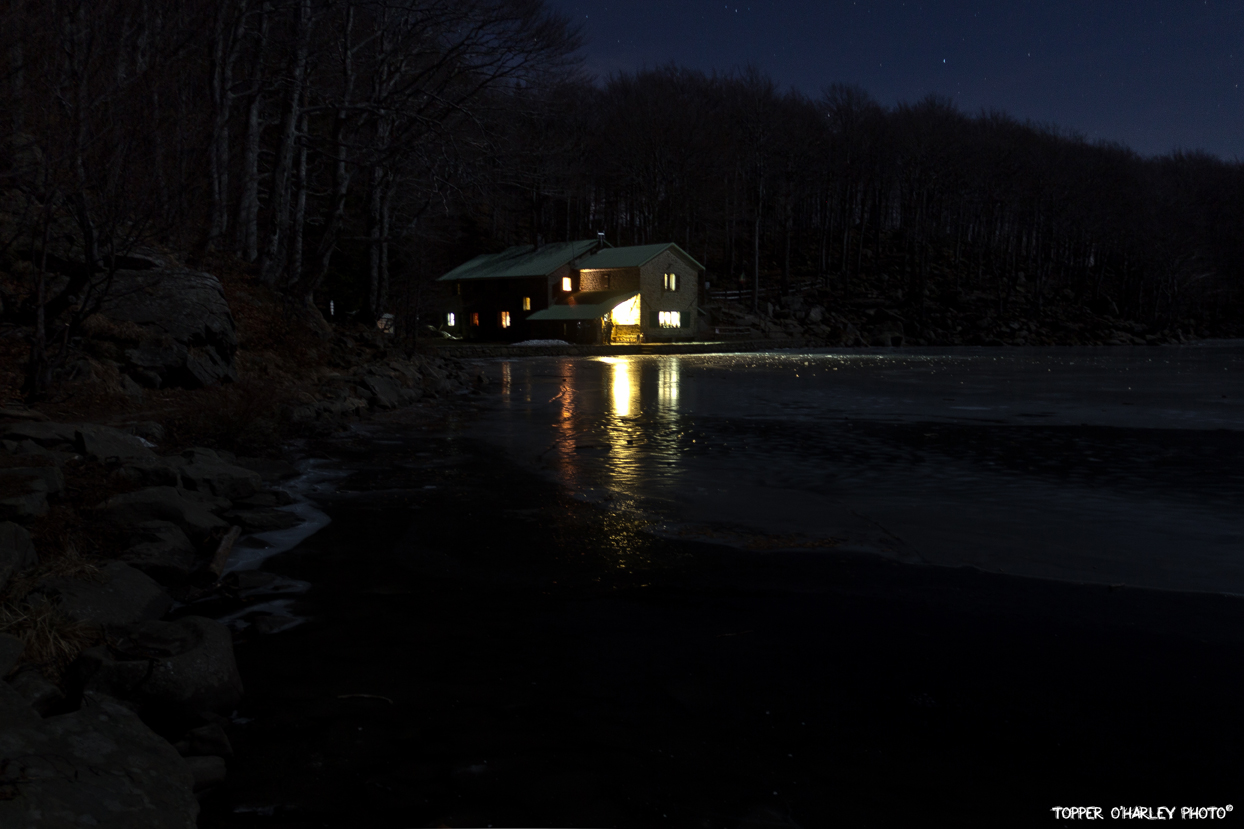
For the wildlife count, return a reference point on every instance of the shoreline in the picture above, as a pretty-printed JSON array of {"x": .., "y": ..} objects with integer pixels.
[{"x": 514, "y": 645}]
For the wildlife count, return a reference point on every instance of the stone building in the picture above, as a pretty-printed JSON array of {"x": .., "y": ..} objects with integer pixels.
[{"x": 581, "y": 292}]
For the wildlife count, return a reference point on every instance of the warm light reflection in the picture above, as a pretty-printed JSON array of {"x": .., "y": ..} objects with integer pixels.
[
  {"x": 623, "y": 389},
  {"x": 627, "y": 313},
  {"x": 668, "y": 378}
]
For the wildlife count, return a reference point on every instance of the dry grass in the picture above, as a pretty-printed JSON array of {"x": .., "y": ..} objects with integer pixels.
[{"x": 52, "y": 640}]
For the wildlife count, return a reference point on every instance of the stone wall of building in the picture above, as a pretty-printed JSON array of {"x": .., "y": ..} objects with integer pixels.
[{"x": 656, "y": 298}]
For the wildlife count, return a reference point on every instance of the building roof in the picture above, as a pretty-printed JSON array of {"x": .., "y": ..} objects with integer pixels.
[
  {"x": 632, "y": 256},
  {"x": 520, "y": 261},
  {"x": 584, "y": 305}
]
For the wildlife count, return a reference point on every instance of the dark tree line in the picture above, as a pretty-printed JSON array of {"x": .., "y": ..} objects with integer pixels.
[
  {"x": 769, "y": 188},
  {"x": 355, "y": 149}
]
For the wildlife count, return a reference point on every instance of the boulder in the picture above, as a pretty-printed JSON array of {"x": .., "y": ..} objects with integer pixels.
[
  {"x": 11, "y": 649},
  {"x": 15, "y": 711},
  {"x": 162, "y": 551},
  {"x": 205, "y": 471},
  {"x": 28, "y": 448},
  {"x": 53, "y": 479},
  {"x": 108, "y": 445},
  {"x": 188, "y": 334},
  {"x": 99, "y": 766},
  {"x": 48, "y": 435},
  {"x": 17, "y": 551},
  {"x": 39, "y": 693},
  {"x": 385, "y": 393},
  {"x": 123, "y": 596},
  {"x": 23, "y": 499},
  {"x": 206, "y": 741},
  {"x": 185, "y": 666},
  {"x": 149, "y": 472},
  {"x": 163, "y": 503},
  {"x": 207, "y": 771}
]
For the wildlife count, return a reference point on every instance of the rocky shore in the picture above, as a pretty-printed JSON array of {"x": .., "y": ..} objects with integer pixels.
[{"x": 161, "y": 448}]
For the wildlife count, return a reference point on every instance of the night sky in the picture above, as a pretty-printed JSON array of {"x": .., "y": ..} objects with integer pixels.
[{"x": 1156, "y": 75}]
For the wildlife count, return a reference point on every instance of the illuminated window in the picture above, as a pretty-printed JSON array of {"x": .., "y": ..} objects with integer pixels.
[
  {"x": 450, "y": 319},
  {"x": 526, "y": 303},
  {"x": 670, "y": 319},
  {"x": 475, "y": 318},
  {"x": 671, "y": 282},
  {"x": 505, "y": 319},
  {"x": 567, "y": 285}
]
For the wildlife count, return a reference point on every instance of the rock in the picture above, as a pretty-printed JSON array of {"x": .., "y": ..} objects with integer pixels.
[
  {"x": 99, "y": 766},
  {"x": 17, "y": 551},
  {"x": 38, "y": 692},
  {"x": 53, "y": 479},
  {"x": 48, "y": 435},
  {"x": 10, "y": 651},
  {"x": 150, "y": 472},
  {"x": 263, "y": 520},
  {"x": 162, "y": 551},
  {"x": 207, "y": 771},
  {"x": 108, "y": 445},
  {"x": 148, "y": 430},
  {"x": 188, "y": 333},
  {"x": 123, "y": 596},
  {"x": 816, "y": 314},
  {"x": 385, "y": 393},
  {"x": 22, "y": 414},
  {"x": 205, "y": 471},
  {"x": 28, "y": 448},
  {"x": 185, "y": 666},
  {"x": 15, "y": 711},
  {"x": 208, "y": 740},
  {"x": 25, "y": 507},
  {"x": 163, "y": 503}
]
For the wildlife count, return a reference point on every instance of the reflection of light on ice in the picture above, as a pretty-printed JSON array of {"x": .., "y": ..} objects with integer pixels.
[
  {"x": 622, "y": 389},
  {"x": 668, "y": 378}
]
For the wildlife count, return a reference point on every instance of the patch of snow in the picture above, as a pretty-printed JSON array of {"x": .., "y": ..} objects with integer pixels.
[{"x": 543, "y": 342}]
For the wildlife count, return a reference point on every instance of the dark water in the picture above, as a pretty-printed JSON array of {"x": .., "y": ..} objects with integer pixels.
[
  {"x": 1113, "y": 466},
  {"x": 519, "y": 618}
]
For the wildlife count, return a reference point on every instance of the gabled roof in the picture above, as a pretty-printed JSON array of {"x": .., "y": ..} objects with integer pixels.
[
  {"x": 632, "y": 256},
  {"x": 584, "y": 305},
  {"x": 520, "y": 261}
]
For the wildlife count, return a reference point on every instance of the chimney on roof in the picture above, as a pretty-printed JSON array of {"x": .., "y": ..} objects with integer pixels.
[{"x": 600, "y": 238}]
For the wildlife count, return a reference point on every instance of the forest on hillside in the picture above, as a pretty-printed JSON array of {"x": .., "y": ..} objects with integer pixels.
[{"x": 354, "y": 150}]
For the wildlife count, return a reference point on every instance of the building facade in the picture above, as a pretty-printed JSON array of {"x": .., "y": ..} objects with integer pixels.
[{"x": 581, "y": 292}]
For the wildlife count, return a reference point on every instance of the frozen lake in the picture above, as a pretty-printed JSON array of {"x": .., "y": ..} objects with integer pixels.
[{"x": 1100, "y": 465}]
